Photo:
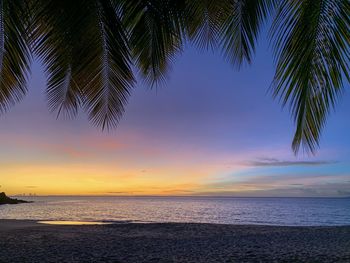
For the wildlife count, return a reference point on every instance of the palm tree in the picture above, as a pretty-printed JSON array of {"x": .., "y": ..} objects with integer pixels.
[{"x": 91, "y": 50}]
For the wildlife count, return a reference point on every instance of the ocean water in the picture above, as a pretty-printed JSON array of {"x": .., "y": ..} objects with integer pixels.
[{"x": 223, "y": 210}]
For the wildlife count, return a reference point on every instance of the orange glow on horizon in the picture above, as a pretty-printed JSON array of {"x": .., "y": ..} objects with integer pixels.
[{"x": 101, "y": 180}]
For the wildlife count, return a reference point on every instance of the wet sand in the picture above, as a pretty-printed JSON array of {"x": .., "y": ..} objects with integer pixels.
[{"x": 27, "y": 241}]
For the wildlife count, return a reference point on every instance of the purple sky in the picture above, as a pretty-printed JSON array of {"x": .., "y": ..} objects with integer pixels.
[{"x": 210, "y": 130}]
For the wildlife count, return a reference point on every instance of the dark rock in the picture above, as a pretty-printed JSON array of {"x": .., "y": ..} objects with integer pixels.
[{"x": 12, "y": 201}]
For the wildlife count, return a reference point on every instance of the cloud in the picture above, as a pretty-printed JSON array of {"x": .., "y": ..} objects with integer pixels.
[
  {"x": 268, "y": 162},
  {"x": 316, "y": 190},
  {"x": 31, "y": 186},
  {"x": 131, "y": 192},
  {"x": 298, "y": 184},
  {"x": 178, "y": 191},
  {"x": 344, "y": 193},
  {"x": 82, "y": 146},
  {"x": 118, "y": 193}
]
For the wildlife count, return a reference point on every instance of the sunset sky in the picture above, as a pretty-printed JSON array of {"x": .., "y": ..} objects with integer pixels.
[{"x": 211, "y": 130}]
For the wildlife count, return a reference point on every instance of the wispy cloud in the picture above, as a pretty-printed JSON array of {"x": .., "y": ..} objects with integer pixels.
[
  {"x": 268, "y": 162},
  {"x": 314, "y": 190},
  {"x": 178, "y": 191},
  {"x": 118, "y": 193}
]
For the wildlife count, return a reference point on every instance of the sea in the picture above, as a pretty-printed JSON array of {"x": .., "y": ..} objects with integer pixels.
[{"x": 220, "y": 210}]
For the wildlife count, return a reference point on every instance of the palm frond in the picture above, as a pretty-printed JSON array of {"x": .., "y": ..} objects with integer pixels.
[
  {"x": 84, "y": 48},
  {"x": 311, "y": 41},
  {"x": 242, "y": 21},
  {"x": 14, "y": 52},
  {"x": 154, "y": 34},
  {"x": 109, "y": 86},
  {"x": 57, "y": 40},
  {"x": 203, "y": 20}
]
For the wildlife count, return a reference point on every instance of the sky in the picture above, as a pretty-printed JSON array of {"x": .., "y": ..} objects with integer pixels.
[{"x": 209, "y": 130}]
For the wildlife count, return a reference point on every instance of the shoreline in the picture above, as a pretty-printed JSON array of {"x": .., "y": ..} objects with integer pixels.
[
  {"x": 29, "y": 241},
  {"x": 5, "y": 200}
]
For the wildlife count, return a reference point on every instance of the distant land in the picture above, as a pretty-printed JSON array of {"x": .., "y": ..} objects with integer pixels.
[{"x": 4, "y": 200}]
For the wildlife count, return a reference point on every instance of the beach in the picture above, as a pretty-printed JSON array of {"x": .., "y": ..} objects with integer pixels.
[{"x": 27, "y": 241}]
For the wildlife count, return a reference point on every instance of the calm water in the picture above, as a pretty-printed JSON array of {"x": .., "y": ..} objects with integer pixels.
[{"x": 271, "y": 211}]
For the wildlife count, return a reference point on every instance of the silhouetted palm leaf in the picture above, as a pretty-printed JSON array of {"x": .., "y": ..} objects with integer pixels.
[
  {"x": 14, "y": 52},
  {"x": 58, "y": 30},
  {"x": 155, "y": 34},
  {"x": 109, "y": 86},
  {"x": 241, "y": 24},
  {"x": 84, "y": 48},
  {"x": 312, "y": 47},
  {"x": 204, "y": 20}
]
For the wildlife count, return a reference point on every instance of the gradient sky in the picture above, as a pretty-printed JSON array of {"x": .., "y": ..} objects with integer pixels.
[{"x": 212, "y": 130}]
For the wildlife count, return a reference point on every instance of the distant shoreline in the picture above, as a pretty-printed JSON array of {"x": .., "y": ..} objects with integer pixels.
[
  {"x": 5, "y": 200},
  {"x": 28, "y": 241}
]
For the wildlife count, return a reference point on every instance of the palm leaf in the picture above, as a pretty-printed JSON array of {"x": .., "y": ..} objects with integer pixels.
[
  {"x": 311, "y": 40},
  {"x": 155, "y": 30},
  {"x": 62, "y": 38},
  {"x": 203, "y": 20},
  {"x": 241, "y": 24},
  {"x": 109, "y": 84},
  {"x": 83, "y": 46},
  {"x": 14, "y": 52}
]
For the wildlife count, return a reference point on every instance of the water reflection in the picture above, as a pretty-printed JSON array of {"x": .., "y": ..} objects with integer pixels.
[
  {"x": 73, "y": 223},
  {"x": 226, "y": 210}
]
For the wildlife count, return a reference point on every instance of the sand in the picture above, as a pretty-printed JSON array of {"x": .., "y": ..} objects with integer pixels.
[{"x": 27, "y": 241}]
